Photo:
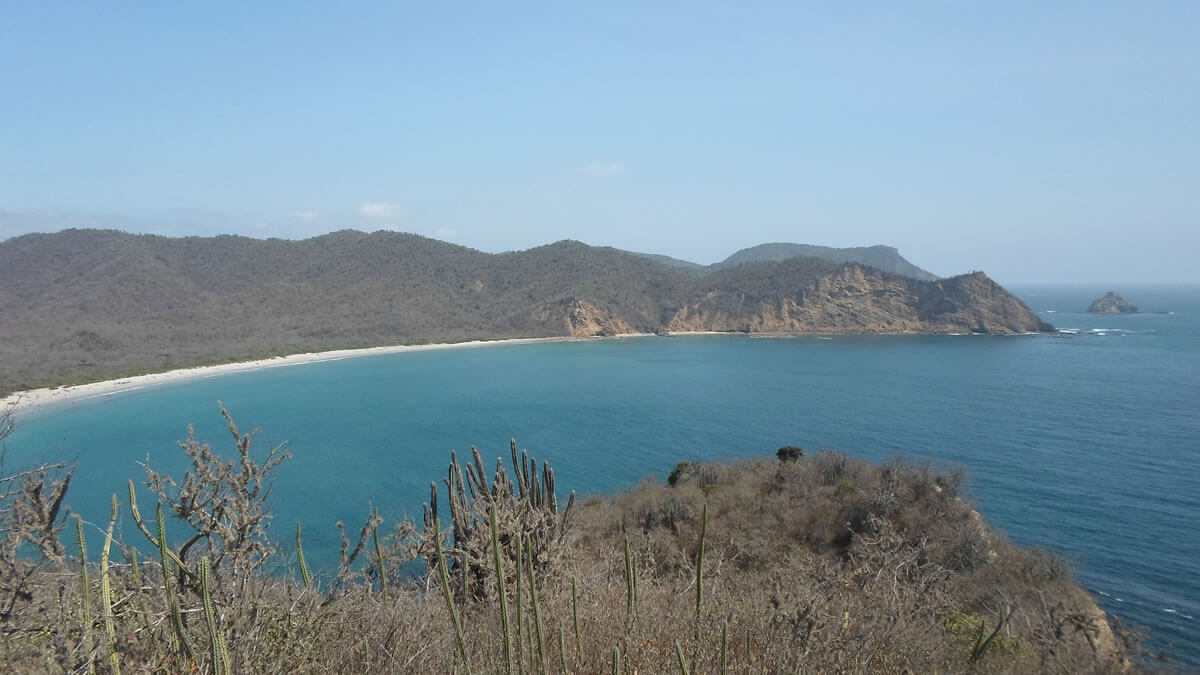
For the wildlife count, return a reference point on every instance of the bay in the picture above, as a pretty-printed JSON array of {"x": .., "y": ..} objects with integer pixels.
[{"x": 1087, "y": 444}]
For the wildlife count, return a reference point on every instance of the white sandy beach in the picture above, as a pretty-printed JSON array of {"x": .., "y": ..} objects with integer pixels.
[{"x": 37, "y": 399}]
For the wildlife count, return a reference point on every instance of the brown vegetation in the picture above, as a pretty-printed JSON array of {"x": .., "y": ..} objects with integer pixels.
[
  {"x": 84, "y": 305},
  {"x": 814, "y": 562}
]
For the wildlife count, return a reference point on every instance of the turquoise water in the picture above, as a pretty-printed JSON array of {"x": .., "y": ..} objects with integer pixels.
[{"x": 1087, "y": 444}]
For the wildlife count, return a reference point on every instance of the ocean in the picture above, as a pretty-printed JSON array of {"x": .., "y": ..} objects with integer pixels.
[{"x": 1086, "y": 443}]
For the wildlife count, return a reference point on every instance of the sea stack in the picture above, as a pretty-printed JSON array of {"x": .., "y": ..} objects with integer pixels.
[{"x": 1112, "y": 303}]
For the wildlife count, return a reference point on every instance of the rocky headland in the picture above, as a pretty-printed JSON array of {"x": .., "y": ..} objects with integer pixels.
[
  {"x": 855, "y": 299},
  {"x": 87, "y": 305}
]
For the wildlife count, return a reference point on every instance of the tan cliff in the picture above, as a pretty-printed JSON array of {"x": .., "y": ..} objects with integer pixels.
[
  {"x": 1090, "y": 623},
  {"x": 855, "y": 299},
  {"x": 587, "y": 320}
]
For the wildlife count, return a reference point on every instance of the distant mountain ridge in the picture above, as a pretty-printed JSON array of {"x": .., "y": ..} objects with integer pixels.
[
  {"x": 884, "y": 258},
  {"x": 83, "y": 305},
  {"x": 672, "y": 262}
]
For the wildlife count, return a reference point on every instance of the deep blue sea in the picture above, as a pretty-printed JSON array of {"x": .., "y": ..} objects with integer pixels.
[{"x": 1087, "y": 444}]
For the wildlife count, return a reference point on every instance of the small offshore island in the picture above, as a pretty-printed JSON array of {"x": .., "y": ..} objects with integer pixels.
[{"x": 1112, "y": 303}]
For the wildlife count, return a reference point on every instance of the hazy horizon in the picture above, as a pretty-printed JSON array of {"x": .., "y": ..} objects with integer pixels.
[{"x": 1038, "y": 143}]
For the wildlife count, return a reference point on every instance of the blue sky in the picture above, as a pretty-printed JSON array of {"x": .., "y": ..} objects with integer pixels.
[{"x": 1037, "y": 141}]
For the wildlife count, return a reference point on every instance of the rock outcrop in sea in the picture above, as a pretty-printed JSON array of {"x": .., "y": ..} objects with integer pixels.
[{"x": 1112, "y": 303}]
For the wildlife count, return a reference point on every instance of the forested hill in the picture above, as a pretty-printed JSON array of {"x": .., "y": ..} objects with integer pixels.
[
  {"x": 885, "y": 258},
  {"x": 88, "y": 304}
]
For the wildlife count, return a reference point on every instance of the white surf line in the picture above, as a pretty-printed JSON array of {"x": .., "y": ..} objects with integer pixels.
[{"x": 122, "y": 390}]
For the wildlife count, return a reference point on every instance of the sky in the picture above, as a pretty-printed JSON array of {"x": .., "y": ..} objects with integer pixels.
[{"x": 1037, "y": 141}]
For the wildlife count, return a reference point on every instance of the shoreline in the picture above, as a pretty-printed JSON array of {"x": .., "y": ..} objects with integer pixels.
[{"x": 37, "y": 400}]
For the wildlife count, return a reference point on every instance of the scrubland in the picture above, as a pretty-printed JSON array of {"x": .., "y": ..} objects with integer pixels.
[{"x": 803, "y": 562}]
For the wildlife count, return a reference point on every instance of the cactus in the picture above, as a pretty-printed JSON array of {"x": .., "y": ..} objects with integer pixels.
[
  {"x": 135, "y": 569},
  {"x": 575, "y": 620},
  {"x": 114, "y": 658},
  {"x": 520, "y": 602},
  {"x": 700, "y": 564},
  {"x": 500, "y": 590},
  {"x": 85, "y": 594},
  {"x": 300, "y": 558},
  {"x": 616, "y": 661},
  {"x": 634, "y": 569},
  {"x": 562, "y": 647},
  {"x": 629, "y": 584},
  {"x": 725, "y": 647},
  {"x": 537, "y": 611},
  {"x": 179, "y": 641},
  {"x": 157, "y": 542},
  {"x": 683, "y": 669},
  {"x": 379, "y": 566},
  {"x": 220, "y": 662},
  {"x": 528, "y": 509},
  {"x": 448, "y": 595}
]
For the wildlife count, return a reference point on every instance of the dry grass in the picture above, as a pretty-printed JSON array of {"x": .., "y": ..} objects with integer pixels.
[{"x": 819, "y": 563}]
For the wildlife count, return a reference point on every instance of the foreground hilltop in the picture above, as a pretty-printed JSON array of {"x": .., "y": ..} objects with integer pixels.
[
  {"x": 846, "y": 567},
  {"x": 90, "y": 304}
]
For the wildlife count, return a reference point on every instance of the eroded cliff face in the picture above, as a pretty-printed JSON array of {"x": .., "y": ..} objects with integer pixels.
[
  {"x": 1091, "y": 624},
  {"x": 584, "y": 319},
  {"x": 855, "y": 299},
  {"x": 847, "y": 301},
  {"x": 974, "y": 303}
]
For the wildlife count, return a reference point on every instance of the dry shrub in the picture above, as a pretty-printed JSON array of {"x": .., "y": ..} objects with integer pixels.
[
  {"x": 32, "y": 517},
  {"x": 822, "y": 564},
  {"x": 225, "y": 503}
]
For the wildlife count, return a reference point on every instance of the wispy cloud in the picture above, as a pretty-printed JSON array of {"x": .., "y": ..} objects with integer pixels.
[
  {"x": 604, "y": 169},
  {"x": 380, "y": 211},
  {"x": 306, "y": 216}
]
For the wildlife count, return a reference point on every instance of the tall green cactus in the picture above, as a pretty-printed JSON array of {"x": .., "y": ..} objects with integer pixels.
[
  {"x": 300, "y": 558},
  {"x": 725, "y": 647},
  {"x": 700, "y": 564},
  {"x": 448, "y": 595},
  {"x": 575, "y": 621},
  {"x": 500, "y": 589},
  {"x": 135, "y": 568},
  {"x": 110, "y": 629},
  {"x": 157, "y": 542},
  {"x": 527, "y": 501},
  {"x": 562, "y": 647},
  {"x": 85, "y": 595},
  {"x": 629, "y": 583},
  {"x": 379, "y": 561},
  {"x": 179, "y": 641},
  {"x": 520, "y": 602},
  {"x": 683, "y": 669},
  {"x": 537, "y": 611},
  {"x": 218, "y": 653}
]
